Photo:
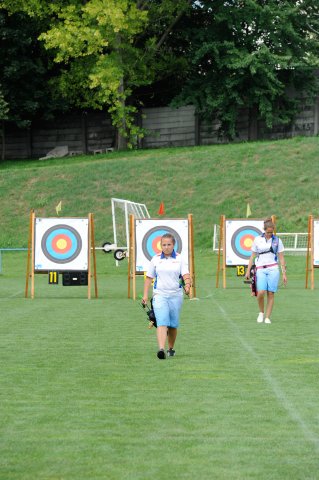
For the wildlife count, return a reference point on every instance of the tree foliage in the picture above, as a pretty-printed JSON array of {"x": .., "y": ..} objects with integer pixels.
[
  {"x": 250, "y": 53},
  {"x": 25, "y": 69},
  {"x": 103, "y": 50},
  {"x": 220, "y": 55},
  {"x": 4, "y": 109}
]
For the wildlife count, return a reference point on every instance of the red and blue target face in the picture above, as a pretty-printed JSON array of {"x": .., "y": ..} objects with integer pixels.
[
  {"x": 242, "y": 241},
  {"x": 61, "y": 244},
  {"x": 151, "y": 244}
]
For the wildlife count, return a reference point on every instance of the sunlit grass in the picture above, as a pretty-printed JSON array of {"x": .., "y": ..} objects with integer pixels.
[{"x": 83, "y": 395}]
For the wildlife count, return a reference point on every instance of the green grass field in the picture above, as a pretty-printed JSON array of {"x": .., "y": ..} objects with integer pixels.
[{"x": 83, "y": 396}]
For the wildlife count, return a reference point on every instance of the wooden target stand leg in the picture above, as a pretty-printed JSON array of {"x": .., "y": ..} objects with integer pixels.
[
  {"x": 274, "y": 219},
  {"x": 221, "y": 253},
  {"x": 312, "y": 256},
  {"x": 192, "y": 293},
  {"x": 224, "y": 253},
  {"x": 309, "y": 256},
  {"x": 92, "y": 254},
  {"x": 30, "y": 259},
  {"x": 131, "y": 259}
]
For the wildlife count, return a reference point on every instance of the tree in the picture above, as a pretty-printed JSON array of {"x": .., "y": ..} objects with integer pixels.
[
  {"x": 3, "y": 116},
  {"x": 105, "y": 50},
  {"x": 25, "y": 68},
  {"x": 250, "y": 53}
]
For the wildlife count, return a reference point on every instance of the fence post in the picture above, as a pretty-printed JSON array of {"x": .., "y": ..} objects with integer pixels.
[
  {"x": 316, "y": 117},
  {"x": 197, "y": 129},
  {"x": 84, "y": 132},
  {"x": 29, "y": 141}
]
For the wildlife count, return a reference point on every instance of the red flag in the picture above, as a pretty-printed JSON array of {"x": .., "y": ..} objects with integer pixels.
[{"x": 161, "y": 210}]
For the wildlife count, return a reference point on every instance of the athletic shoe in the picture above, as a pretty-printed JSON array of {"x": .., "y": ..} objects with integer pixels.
[
  {"x": 267, "y": 320},
  {"x": 171, "y": 353},
  {"x": 260, "y": 317},
  {"x": 161, "y": 354}
]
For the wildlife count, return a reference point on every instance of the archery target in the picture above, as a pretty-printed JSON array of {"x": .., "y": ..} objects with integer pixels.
[
  {"x": 151, "y": 244},
  {"x": 239, "y": 237},
  {"x": 316, "y": 242},
  {"x": 148, "y": 239},
  {"x": 61, "y": 244}
]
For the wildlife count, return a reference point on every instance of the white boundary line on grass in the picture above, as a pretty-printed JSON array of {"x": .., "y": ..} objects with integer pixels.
[
  {"x": 12, "y": 295},
  {"x": 280, "y": 395}
]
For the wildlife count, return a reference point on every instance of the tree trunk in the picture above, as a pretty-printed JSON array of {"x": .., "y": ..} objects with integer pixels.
[{"x": 121, "y": 142}]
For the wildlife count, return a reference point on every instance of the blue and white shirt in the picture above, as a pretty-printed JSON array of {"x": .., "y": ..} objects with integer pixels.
[
  {"x": 260, "y": 245},
  {"x": 167, "y": 272}
]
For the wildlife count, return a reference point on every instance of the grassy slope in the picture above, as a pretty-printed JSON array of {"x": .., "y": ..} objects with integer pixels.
[{"x": 275, "y": 177}]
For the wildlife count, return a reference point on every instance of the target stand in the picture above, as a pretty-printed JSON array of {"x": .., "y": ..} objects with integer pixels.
[
  {"x": 235, "y": 242},
  {"x": 61, "y": 245},
  {"x": 145, "y": 242}
]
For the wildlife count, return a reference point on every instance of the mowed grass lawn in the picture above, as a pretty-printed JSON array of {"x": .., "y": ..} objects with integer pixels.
[{"x": 83, "y": 396}]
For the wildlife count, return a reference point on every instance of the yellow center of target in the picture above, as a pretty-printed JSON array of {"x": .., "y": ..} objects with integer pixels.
[
  {"x": 248, "y": 242},
  {"x": 61, "y": 243},
  {"x": 159, "y": 246}
]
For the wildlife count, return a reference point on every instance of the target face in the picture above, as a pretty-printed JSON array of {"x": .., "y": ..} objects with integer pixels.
[
  {"x": 316, "y": 242},
  {"x": 151, "y": 244},
  {"x": 239, "y": 237},
  {"x": 61, "y": 244},
  {"x": 148, "y": 239}
]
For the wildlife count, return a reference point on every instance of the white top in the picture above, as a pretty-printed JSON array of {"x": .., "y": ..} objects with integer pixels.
[
  {"x": 167, "y": 272},
  {"x": 261, "y": 244}
]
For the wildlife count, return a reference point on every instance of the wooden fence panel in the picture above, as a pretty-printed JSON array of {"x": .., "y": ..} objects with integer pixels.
[
  {"x": 64, "y": 131},
  {"x": 165, "y": 126},
  {"x": 17, "y": 143},
  {"x": 100, "y": 133},
  {"x": 169, "y": 127}
]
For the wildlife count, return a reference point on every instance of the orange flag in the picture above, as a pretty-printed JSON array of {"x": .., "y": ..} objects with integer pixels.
[{"x": 161, "y": 210}]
